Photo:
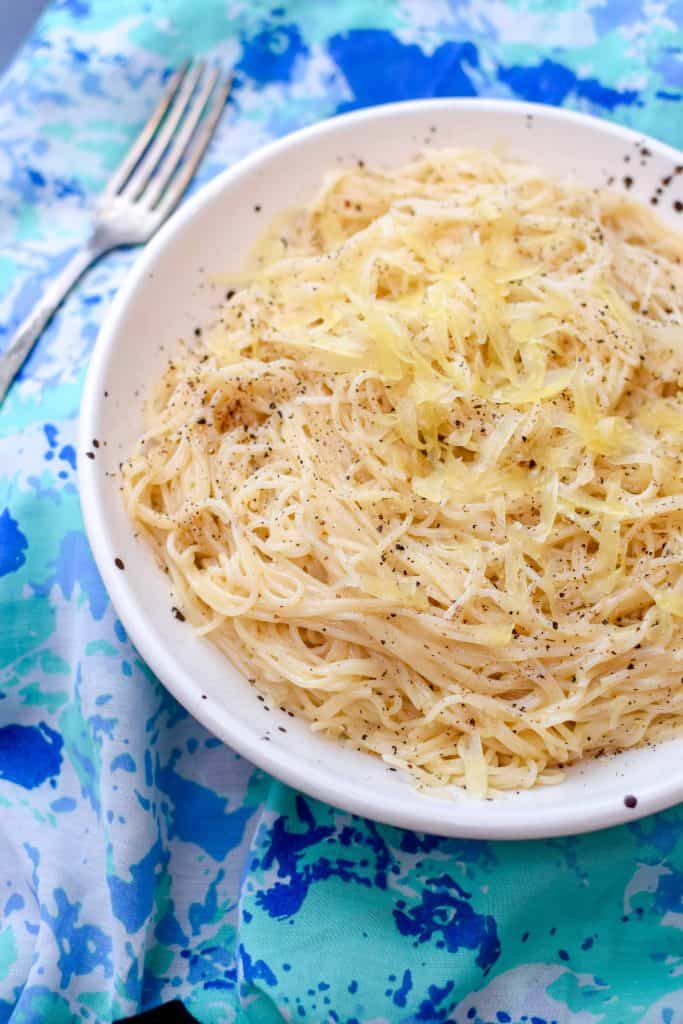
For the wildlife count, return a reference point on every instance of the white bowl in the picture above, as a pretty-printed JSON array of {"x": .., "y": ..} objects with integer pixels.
[{"x": 167, "y": 294}]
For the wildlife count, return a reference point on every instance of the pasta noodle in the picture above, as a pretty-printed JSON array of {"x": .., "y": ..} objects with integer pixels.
[{"x": 421, "y": 479}]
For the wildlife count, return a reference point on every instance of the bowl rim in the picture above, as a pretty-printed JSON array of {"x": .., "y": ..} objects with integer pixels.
[{"x": 557, "y": 820}]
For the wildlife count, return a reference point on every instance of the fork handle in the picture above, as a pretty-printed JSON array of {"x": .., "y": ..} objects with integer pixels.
[{"x": 13, "y": 358}]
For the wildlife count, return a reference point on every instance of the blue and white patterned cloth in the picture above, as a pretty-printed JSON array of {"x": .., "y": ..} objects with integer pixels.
[{"x": 140, "y": 859}]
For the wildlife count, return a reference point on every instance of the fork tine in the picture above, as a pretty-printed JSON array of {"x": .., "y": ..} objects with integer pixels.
[
  {"x": 127, "y": 165},
  {"x": 182, "y": 178},
  {"x": 162, "y": 175},
  {"x": 162, "y": 138}
]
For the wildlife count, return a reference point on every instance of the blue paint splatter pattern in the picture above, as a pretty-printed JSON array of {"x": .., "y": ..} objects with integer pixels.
[{"x": 139, "y": 859}]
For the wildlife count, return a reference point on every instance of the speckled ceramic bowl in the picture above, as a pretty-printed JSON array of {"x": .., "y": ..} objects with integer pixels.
[{"x": 167, "y": 294}]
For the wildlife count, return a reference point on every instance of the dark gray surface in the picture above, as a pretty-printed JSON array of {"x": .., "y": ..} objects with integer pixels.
[{"x": 17, "y": 18}]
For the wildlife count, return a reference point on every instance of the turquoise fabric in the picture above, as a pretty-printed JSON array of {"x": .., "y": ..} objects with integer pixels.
[{"x": 140, "y": 859}]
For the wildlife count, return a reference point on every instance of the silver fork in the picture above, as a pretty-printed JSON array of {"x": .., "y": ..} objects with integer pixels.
[{"x": 140, "y": 195}]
